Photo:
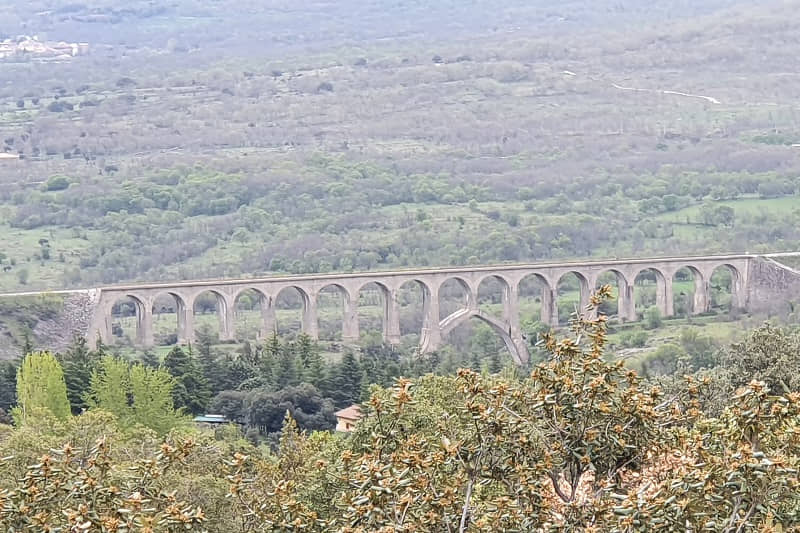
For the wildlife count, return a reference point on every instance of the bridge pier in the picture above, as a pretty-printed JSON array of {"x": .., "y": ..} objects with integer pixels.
[
  {"x": 268, "y": 320},
  {"x": 549, "y": 313},
  {"x": 738, "y": 293},
  {"x": 626, "y": 304},
  {"x": 310, "y": 323},
  {"x": 431, "y": 337},
  {"x": 185, "y": 323},
  {"x": 511, "y": 310},
  {"x": 226, "y": 311},
  {"x": 391, "y": 318},
  {"x": 144, "y": 326},
  {"x": 701, "y": 301},
  {"x": 104, "y": 333},
  {"x": 665, "y": 298},
  {"x": 350, "y": 330}
]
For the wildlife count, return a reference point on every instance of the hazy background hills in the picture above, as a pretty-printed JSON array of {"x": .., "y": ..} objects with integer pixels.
[{"x": 219, "y": 138}]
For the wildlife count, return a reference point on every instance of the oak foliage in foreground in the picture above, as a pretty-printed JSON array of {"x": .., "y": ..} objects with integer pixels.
[{"x": 582, "y": 444}]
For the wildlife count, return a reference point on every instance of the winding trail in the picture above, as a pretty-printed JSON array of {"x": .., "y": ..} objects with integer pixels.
[{"x": 677, "y": 93}]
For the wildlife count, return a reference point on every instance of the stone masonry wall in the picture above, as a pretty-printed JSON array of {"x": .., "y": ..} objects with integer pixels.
[
  {"x": 54, "y": 333},
  {"x": 773, "y": 288}
]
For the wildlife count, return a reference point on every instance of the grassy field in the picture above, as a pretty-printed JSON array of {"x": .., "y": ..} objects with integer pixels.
[
  {"x": 753, "y": 205},
  {"x": 24, "y": 248},
  {"x": 687, "y": 222}
]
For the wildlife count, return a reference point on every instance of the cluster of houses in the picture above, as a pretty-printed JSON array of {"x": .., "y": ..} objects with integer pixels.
[{"x": 25, "y": 47}]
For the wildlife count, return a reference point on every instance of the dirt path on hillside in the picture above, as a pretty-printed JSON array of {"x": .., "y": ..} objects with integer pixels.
[{"x": 676, "y": 93}]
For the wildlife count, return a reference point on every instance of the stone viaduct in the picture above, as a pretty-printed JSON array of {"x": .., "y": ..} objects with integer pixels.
[{"x": 434, "y": 328}]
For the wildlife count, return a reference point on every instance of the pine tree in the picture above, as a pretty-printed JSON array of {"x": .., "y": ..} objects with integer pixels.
[
  {"x": 304, "y": 347},
  {"x": 196, "y": 392},
  {"x": 191, "y": 391},
  {"x": 210, "y": 366},
  {"x": 8, "y": 385},
  {"x": 40, "y": 385},
  {"x": 495, "y": 363},
  {"x": 273, "y": 346},
  {"x": 150, "y": 359},
  {"x": 27, "y": 343},
  {"x": 366, "y": 384},
  {"x": 177, "y": 362},
  {"x": 238, "y": 372},
  {"x": 347, "y": 381},
  {"x": 79, "y": 364},
  {"x": 266, "y": 367},
  {"x": 313, "y": 365},
  {"x": 286, "y": 371}
]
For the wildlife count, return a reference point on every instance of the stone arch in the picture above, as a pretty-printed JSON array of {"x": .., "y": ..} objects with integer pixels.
[
  {"x": 505, "y": 283},
  {"x": 625, "y": 309},
  {"x": 406, "y": 296},
  {"x": 142, "y": 320},
  {"x": 547, "y": 310},
  {"x": 697, "y": 302},
  {"x": 509, "y": 299},
  {"x": 183, "y": 318},
  {"x": 308, "y": 309},
  {"x": 518, "y": 351},
  {"x": 390, "y": 326},
  {"x": 262, "y": 309},
  {"x": 349, "y": 305},
  {"x": 735, "y": 286},
  {"x": 565, "y": 309},
  {"x": 222, "y": 307},
  {"x": 381, "y": 286},
  {"x": 663, "y": 292},
  {"x": 430, "y": 333},
  {"x": 469, "y": 300}
]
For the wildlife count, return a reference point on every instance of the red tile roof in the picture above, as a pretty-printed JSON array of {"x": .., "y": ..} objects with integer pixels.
[{"x": 350, "y": 413}]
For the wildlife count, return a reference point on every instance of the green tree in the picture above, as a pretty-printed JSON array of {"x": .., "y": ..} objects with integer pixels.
[
  {"x": 286, "y": 370},
  {"x": 212, "y": 369},
  {"x": 191, "y": 390},
  {"x": 79, "y": 363},
  {"x": 8, "y": 385},
  {"x": 40, "y": 385},
  {"x": 768, "y": 354},
  {"x": 311, "y": 361},
  {"x": 652, "y": 318},
  {"x": 151, "y": 396},
  {"x": 346, "y": 383},
  {"x": 67, "y": 490},
  {"x": 135, "y": 394},
  {"x": 110, "y": 388},
  {"x": 177, "y": 361},
  {"x": 667, "y": 359},
  {"x": 150, "y": 359}
]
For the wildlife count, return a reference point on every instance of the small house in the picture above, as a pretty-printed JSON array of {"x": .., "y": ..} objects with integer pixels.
[{"x": 346, "y": 418}]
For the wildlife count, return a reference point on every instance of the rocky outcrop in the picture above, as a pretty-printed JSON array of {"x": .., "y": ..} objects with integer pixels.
[
  {"x": 73, "y": 320},
  {"x": 52, "y": 326}
]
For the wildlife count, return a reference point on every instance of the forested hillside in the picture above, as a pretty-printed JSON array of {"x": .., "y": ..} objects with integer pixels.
[{"x": 211, "y": 139}]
